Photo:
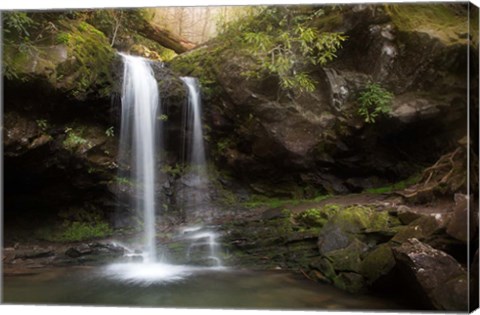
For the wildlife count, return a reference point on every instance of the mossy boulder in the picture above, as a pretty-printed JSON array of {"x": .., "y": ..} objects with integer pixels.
[
  {"x": 378, "y": 262},
  {"x": 88, "y": 69},
  {"x": 356, "y": 222},
  {"x": 421, "y": 228},
  {"x": 348, "y": 258},
  {"x": 353, "y": 255},
  {"x": 317, "y": 217},
  {"x": 349, "y": 281},
  {"x": 75, "y": 58}
]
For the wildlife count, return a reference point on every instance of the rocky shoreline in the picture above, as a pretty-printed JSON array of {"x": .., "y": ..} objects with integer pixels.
[{"x": 356, "y": 246}]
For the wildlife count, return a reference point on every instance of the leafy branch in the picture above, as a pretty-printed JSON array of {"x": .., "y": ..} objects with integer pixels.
[
  {"x": 374, "y": 101},
  {"x": 284, "y": 44}
]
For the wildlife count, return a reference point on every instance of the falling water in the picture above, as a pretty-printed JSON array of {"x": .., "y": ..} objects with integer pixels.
[
  {"x": 139, "y": 140},
  {"x": 195, "y": 150},
  {"x": 197, "y": 175}
]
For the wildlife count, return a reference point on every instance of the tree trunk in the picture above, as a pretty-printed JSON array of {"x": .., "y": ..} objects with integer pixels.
[{"x": 165, "y": 38}]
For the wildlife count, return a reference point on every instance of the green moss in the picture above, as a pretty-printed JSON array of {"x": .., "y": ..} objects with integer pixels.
[
  {"x": 353, "y": 219},
  {"x": 383, "y": 222},
  {"x": 377, "y": 263},
  {"x": 227, "y": 198},
  {"x": 74, "y": 139},
  {"x": 317, "y": 217},
  {"x": 282, "y": 228},
  {"x": 78, "y": 224},
  {"x": 421, "y": 228},
  {"x": 79, "y": 231},
  {"x": 396, "y": 186},
  {"x": 74, "y": 56},
  {"x": 42, "y": 124},
  {"x": 124, "y": 181},
  {"x": 164, "y": 53},
  {"x": 89, "y": 69},
  {"x": 173, "y": 170},
  {"x": 349, "y": 281},
  {"x": 201, "y": 63},
  {"x": 348, "y": 258},
  {"x": 324, "y": 266},
  {"x": 438, "y": 20},
  {"x": 257, "y": 201}
]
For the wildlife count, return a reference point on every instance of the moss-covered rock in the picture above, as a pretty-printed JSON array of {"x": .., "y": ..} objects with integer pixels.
[
  {"x": 421, "y": 228},
  {"x": 362, "y": 222},
  {"x": 349, "y": 281},
  {"x": 88, "y": 68},
  {"x": 353, "y": 247},
  {"x": 317, "y": 217},
  {"x": 348, "y": 258},
  {"x": 376, "y": 263},
  {"x": 74, "y": 58}
]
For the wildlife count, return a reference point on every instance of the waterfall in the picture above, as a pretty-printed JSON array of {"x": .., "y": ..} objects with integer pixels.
[
  {"x": 140, "y": 140},
  {"x": 197, "y": 175},
  {"x": 195, "y": 147}
]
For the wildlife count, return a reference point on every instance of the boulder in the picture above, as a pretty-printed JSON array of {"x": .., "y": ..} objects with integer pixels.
[
  {"x": 348, "y": 258},
  {"x": 348, "y": 244},
  {"x": 437, "y": 276},
  {"x": 460, "y": 221},
  {"x": 421, "y": 228},
  {"x": 333, "y": 238},
  {"x": 364, "y": 223},
  {"x": 406, "y": 214},
  {"x": 377, "y": 263},
  {"x": 350, "y": 281},
  {"x": 77, "y": 251}
]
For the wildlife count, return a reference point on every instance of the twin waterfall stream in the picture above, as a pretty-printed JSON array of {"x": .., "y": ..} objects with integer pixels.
[{"x": 141, "y": 147}]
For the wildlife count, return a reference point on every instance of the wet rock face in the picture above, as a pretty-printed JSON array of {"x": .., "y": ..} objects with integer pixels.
[
  {"x": 52, "y": 164},
  {"x": 93, "y": 253},
  {"x": 318, "y": 138},
  {"x": 435, "y": 274},
  {"x": 21, "y": 134}
]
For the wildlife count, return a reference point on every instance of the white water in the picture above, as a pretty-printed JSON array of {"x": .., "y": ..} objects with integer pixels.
[
  {"x": 148, "y": 273},
  {"x": 139, "y": 139},
  {"x": 140, "y": 142},
  {"x": 198, "y": 177},
  {"x": 205, "y": 239},
  {"x": 196, "y": 149}
]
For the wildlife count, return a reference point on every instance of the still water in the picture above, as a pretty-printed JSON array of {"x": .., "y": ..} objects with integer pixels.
[{"x": 194, "y": 288}]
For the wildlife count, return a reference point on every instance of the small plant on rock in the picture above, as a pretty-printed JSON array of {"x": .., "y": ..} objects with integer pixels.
[
  {"x": 110, "y": 132},
  {"x": 73, "y": 140},
  {"x": 374, "y": 101},
  {"x": 42, "y": 124}
]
